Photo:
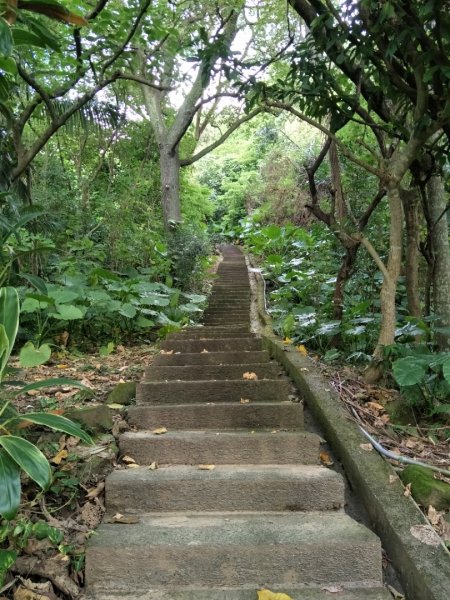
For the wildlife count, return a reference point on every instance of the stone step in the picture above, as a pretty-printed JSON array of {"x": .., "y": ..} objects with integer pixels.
[
  {"x": 205, "y": 372},
  {"x": 203, "y": 333},
  {"x": 212, "y": 550},
  {"x": 221, "y": 345},
  {"x": 225, "y": 488},
  {"x": 345, "y": 593},
  {"x": 222, "y": 321},
  {"x": 226, "y": 329},
  {"x": 254, "y": 415},
  {"x": 229, "y": 305},
  {"x": 224, "y": 447},
  {"x": 231, "y": 390},
  {"x": 226, "y": 314},
  {"x": 212, "y": 358}
]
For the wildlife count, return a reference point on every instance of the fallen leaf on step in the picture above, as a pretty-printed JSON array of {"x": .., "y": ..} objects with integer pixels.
[
  {"x": 393, "y": 478},
  {"x": 268, "y": 595},
  {"x": 245, "y": 400},
  {"x": 395, "y": 594},
  {"x": 167, "y": 351},
  {"x": 206, "y": 467},
  {"x": 302, "y": 350},
  {"x": 115, "y": 406},
  {"x": 159, "y": 431},
  {"x": 433, "y": 515},
  {"x": 204, "y": 351},
  {"x": 62, "y": 454},
  {"x": 407, "y": 491},
  {"x": 333, "y": 589},
  {"x": 250, "y": 376},
  {"x": 274, "y": 431},
  {"x": 132, "y": 466},
  {"x": 127, "y": 459},
  {"x": 153, "y": 466},
  {"x": 125, "y": 519},
  {"x": 326, "y": 459},
  {"x": 375, "y": 406},
  {"x": 287, "y": 340},
  {"x": 426, "y": 534},
  {"x": 366, "y": 447}
]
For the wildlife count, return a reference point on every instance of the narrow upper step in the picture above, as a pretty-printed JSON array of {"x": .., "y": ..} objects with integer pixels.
[
  {"x": 213, "y": 345},
  {"x": 212, "y": 358},
  {"x": 202, "y": 372},
  {"x": 230, "y": 549},
  {"x": 225, "y": 488},
  {"x": 221, "y": 447}
]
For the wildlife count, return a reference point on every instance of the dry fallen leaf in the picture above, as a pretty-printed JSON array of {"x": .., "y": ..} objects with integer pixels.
[
  {"x": 333, "y": 589},
  {"x": 250, "y": 376},
  {"x": 268, "y": 595},
  {"x": 96, "y": 491},
  {"x": 375, "y": 406},
  {"x": 426, "y": 535},
  {"x": 326, "y": 459},
  {"x": 393, "y": 478},
  {"x": 206, "y": 467},
  {"x": 132, "y": 466},
  {"x": 204, "y": 351},
  {"x": 127, "y": 459},
  {"x": 125, "y": 519},
  {"x": 58, "y": 458},
  {"x": 366, "y": 447},
  {"x": 245, "y": 400},
  {"x": 407, "y": 490},
  {"x": 395, "y": 594},
  {"x": 115, "y": 406},
  {"x": 434, "y": 516},
  {"x": 159, "y": 431},
  {"x": 167, "y": 351},
  {"x": 302, "y": 350},
  {"x": 286, "y": 341},
  {"x": 153, "y": 466}
]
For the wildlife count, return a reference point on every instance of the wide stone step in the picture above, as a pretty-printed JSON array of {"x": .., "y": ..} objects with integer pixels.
[
  {"x": 230, "y": 328},
  {"x": 254, "y": 415},
  {"x": 365, "y": 593},
  {"x": 224, "y": 447},
  {"x": 222, "y": 372},
  {"x": 220, "y": 345},
  {"x": 213, "y": 550},
  {"x": 224, "y": 320},
  {"x": 172, "y": 392},
  {"x": 212, "y": 358},
  {"x": 226, "y": 488},
  {"x": 204, "y": 333}
]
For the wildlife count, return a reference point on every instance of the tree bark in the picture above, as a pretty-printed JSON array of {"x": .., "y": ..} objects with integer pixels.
[
  {"x": 340, "y": 210},
  {"x": 441, "y": 259},
  {"x": 410, "y": 200},
  {"x": 170, "y": 186}
]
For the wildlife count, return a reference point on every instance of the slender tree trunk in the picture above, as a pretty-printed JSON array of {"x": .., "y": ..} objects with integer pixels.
[
  {"x": 170, "y": 187},
  {"x": 340, "y": 210},
  {"x": 390, "y": 278},
  {"x": 441, "y": 259},
  {"x": 345, "y": 273},
  {"x": 410, "y": 201}
]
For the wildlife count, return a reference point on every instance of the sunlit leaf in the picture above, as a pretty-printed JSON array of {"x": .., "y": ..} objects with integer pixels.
[
  {"x": 9, "y": 487},
  {"x": 57, "y": 422},
  {"x": 29, "y": 458},
  {"x": 30, "y": 356}
]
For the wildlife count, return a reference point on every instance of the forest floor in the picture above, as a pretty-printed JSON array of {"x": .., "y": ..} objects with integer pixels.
[{"x": 74, "y": 505}]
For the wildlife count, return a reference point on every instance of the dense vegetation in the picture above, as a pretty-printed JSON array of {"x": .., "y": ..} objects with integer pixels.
[{"x": 135, "y": 136}]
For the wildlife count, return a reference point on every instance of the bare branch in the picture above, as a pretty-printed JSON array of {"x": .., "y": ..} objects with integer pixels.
[{"x": 143, "y": 81}]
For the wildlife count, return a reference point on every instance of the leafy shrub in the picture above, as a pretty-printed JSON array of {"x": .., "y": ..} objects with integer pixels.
[{"x": 189, "y": 250}]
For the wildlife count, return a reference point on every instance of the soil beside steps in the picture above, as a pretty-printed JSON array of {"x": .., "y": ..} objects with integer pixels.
[{"x": 264, "y": 513}]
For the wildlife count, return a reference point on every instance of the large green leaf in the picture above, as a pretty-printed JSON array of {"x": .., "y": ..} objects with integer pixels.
[
  {"x": 9, "y": 486},
  {"x": 6, "y": 41},
  {"x": 8, "y": 65},
  {"x": 9, "y": 318},
  {"x": 30, "y": 356},
  {"x": 37, "y": 282},
  {"x": 22, "y": 37},
  {"x": 55, "y": 422},
  {"x": 49, "y": 383},
  {"x": 29, "y": 458},
  {"x": 128, "y": 310},
  {"x": 408, "y": 371},
  {"x": 446, "y": 369},
  {"x": 67, "y": 312}
]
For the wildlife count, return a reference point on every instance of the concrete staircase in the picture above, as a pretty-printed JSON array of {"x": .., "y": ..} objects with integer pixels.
[{"x": 267, "y": 515}]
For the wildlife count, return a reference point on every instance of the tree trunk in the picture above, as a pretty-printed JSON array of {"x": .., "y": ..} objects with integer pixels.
[
  {"x": 410, "y": 201},
  {"x": 345, "y": 272},
  {"x": 441, "y": 259},
  {"x": 340, "y": 210},
  {"x": 170, "y": 187},
  {"x": 389, "y": 288}
]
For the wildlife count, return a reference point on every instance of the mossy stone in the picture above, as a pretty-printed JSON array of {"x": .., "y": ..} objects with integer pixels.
[
  {"x": 123, "y": 393},
  {"x": 96, "y": 418},
  {"x": 425, "y": 489}
]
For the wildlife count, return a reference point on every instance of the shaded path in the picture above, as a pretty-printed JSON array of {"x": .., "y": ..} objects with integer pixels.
[{"x": 267, "y": 514}]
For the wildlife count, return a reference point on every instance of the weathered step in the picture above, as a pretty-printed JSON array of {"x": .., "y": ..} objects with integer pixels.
[
  {"x": 227, "y": 415},
  {"x": 223, "y": 320},
  {"x": 229, "y": 550},
  {"x": 216, "y": 345},
  {"x": 224, "y": 447},
  {"x": 226, "y": 329},
  {"x": 203, "y": 333},
  {"x": 204, "y": 372},
  {"x": 365, "y": 593},
  {"x": 222, "y": 313},
  {"x": 211, "y": 358},
  {"x": 172, "y": 392},
  {"x": 226, "y": 488}
]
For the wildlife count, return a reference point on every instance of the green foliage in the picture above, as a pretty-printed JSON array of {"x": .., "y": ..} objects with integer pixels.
[{"x": 189, "y": 251}]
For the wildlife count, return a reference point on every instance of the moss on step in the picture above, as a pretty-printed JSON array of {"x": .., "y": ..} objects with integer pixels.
[
  {"x": 122, "y": 393},
  {"x": 425, "y": 489}
]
